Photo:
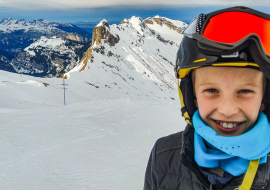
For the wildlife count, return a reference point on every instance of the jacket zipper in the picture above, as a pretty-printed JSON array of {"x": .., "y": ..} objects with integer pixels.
[{"x": 210, "y": 186}]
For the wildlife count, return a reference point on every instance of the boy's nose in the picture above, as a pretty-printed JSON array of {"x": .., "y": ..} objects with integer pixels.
[{"x": 228, "y": 107}]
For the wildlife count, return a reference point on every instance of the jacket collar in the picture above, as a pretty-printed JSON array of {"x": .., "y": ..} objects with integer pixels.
[{"x": 187, "y": 159}]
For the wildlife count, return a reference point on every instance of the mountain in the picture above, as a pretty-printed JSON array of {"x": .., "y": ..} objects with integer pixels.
[
  {"x": 50, "y": 57},
  {"x": 15, "y": 35},
  {"x": 135, "y": 58},
  {"x": 5, "y": 59},
  {"x": 117, "y": 106}
]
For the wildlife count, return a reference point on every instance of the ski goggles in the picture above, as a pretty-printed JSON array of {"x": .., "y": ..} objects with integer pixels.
[
  {"x": 223, "y": 32},
  {"x": 227, "y": 31}
]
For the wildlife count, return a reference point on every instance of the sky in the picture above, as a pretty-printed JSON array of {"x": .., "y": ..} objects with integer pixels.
[{"x": 93, "y": 11}]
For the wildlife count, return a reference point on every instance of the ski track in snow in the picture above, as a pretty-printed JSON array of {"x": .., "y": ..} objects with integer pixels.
[{"x": 99, "y": 144}]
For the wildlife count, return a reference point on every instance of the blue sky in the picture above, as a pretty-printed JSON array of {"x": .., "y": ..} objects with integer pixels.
[{"x": 71, "y": 11}]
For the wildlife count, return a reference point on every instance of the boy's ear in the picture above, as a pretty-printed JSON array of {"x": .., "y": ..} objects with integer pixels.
[
  {"x": 262, "y": 106},
  {"x": 196, "y": 104}
]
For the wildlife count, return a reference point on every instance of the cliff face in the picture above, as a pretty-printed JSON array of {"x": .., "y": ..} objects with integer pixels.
[
  {"x": 77, "y": 38},
  {"x": 101, "y": 35}
]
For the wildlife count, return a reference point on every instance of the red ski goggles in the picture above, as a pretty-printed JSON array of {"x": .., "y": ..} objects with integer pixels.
[{"x": 224, "y": 32}]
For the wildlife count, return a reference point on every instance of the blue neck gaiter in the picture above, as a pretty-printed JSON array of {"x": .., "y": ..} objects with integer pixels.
[{"x": 232, "y": 154}]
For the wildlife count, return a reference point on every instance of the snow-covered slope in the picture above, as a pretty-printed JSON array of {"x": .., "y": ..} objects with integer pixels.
[
  {"x": 16, "y": 35},
  {"x": 46, "y": 145},
  {"x": 135, "y": 58},
  {"x": 50, "y": 57}
]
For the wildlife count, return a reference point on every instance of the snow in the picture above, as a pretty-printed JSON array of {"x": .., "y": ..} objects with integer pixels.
[
  {"x": 135, "y": 21},
  {"x": 116, "y": 109},
  {"x": 49, "y": 43},
  {"x": 9, "y": 25},
  {"x": 91, "y": 143},
  {"x": 166, "y": 32},
  {"x": 101, "y": 23},
  {"x": 45, "y": 42},
  {"x": 140, "y": 64}
]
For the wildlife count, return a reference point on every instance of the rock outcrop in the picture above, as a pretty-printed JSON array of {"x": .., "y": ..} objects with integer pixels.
[
  {"x": 101, "y": 35},
  {"x": 148, "y": 21},
  {"x": 161, "y": 20}
]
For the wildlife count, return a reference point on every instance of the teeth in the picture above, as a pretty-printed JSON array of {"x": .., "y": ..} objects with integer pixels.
[{"x": 228, "y": 125}]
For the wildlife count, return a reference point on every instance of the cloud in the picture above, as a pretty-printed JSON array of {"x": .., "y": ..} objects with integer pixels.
[{"x": 71, "y": 4}]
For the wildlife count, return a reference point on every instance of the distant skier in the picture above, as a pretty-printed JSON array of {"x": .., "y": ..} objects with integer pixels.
[{"x": 224, "y": 66}]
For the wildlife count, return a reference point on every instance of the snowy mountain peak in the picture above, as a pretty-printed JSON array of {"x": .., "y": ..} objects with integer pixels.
[
  {"x": 21, "y": 23},
  {"x": 132, "y": 20},
  {"x": 124, "y": 21},
  {"x": 5, "y": 20},
  {"x": 136, "y": 18},
  {"x": 8, "y": 25},
  {"x": 103, "y": 23},
  {"x": 101, "y": 34}
]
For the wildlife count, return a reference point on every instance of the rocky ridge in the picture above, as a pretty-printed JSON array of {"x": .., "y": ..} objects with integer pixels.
[
  {"x": 162, "y": 20},
  {"x": 136, "y": 57}
]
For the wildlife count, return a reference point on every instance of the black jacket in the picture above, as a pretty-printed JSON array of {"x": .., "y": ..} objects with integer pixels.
[{"x": 171, "y": 166}]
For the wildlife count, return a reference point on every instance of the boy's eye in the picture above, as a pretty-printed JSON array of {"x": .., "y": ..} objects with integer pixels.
[
  {"x": 212, "y": 90},
  {"x": 245, "y": 91}
]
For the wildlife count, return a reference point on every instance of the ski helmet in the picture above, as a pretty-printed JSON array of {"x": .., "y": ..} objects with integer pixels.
[{"x": 223, "y": 38}]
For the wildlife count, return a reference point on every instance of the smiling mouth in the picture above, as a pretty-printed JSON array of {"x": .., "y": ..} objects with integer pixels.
[{"x": 228, "y": 126}]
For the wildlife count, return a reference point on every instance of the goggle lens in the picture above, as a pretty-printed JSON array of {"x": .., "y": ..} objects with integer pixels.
[{"x": 230, "y": 27}]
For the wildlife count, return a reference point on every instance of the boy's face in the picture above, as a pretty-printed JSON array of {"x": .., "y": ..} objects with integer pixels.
[{"x": 228, "y": 98}]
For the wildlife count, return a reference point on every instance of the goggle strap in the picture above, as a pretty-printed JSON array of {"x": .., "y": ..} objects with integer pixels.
[{"x": 183, "y": 107}]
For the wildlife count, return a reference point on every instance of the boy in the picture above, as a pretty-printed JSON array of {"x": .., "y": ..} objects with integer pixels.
[{"x": 224, "y": 66}]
